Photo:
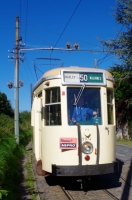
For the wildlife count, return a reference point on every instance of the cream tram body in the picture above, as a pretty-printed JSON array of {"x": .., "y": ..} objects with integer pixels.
[{"x": 68, "y": 149}]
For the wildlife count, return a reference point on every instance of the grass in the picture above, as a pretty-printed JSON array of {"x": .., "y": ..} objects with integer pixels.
[
  {"x": 30, "y": 178},
  {"x": 124, "y": 141}
]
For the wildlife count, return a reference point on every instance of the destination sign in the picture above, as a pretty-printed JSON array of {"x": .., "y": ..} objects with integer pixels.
[{"x": 89, "y": 78}]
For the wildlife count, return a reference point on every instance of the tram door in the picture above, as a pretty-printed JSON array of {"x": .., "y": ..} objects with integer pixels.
[
  {"x": 37, "y": 126},
  {"x": 40, "y": 122}
]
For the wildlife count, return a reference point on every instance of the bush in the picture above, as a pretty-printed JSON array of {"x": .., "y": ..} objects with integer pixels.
[
  {"x": 6, "y": 125},
  {"x": 11, "y": 154},
  {"x": 5, "y": 105}
]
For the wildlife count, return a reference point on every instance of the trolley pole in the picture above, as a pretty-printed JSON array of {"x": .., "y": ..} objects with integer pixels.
[{"x": 16, "y": 84}]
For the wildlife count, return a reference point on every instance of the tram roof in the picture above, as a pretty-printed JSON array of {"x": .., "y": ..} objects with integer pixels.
[{"x": 57, "y": 71}]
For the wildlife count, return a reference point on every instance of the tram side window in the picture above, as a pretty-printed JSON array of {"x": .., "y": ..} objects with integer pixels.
[
  {"x": 52, "y": 107},
  {"x": 110, "y": 106}
]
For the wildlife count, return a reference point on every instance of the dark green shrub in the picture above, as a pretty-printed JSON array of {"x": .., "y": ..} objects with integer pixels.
[
  {"x": 6, "y": 125},
  {"x": 11, "y": 154},
  {"x": 5, "y": 105}
]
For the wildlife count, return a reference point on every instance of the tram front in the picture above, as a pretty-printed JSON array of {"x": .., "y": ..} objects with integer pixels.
[{"x": 87, "y": 134}]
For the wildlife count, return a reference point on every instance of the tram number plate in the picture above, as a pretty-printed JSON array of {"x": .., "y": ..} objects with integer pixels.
[
  {"x": 68, "y": 143},
  {"x": 91, "y": 77}
]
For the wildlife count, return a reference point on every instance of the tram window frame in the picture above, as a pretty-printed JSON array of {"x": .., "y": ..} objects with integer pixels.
[
  {"x": 110, "y": 106},
  {"x": 52, "y": 106}
]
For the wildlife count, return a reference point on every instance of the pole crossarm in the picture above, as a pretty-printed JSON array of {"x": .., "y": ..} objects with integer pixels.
[{"x": 64, "y": 49}]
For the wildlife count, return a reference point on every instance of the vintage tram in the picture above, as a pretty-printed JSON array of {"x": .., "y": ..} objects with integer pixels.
[{"x": 82, "y": 147}]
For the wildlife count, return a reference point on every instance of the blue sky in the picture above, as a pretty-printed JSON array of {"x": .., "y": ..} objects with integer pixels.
[{"x": 42, "y": 23}]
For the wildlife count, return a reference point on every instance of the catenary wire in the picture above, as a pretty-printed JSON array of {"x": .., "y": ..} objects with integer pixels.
[
  {"x": 66, "y": 36},
  {"x": 26, "y": 22},
  {"x": 67, "y": 23},
  {"x": 65, "y": 28},
  {"x": 24, "y": 71},
  {"x": 37, "y": 37},
  {"x": 20, "y": 15}
]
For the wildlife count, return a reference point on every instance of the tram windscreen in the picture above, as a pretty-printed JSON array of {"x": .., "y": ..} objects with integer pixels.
[{"x": 84, "y": 106}]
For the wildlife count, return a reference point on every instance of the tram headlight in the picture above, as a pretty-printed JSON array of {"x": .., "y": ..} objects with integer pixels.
[{"x": 87, "y": 148}]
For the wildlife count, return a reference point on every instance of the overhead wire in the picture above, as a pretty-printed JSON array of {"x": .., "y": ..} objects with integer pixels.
[
  {"x": 25, "y": 35},
  {"x": 20, "y": 15},
  {"x": 66, "y": 36},
  {"x": 21, "y": 71},
  {"x": 36, "y": 37},
  {"x": 67, "y": 23},
  {"x": 22, "y": 77},
  {"x": 65, "y": 27},
  {"x": 26, "y": 32},
  {"x": 26, "y": 21},
  {"x": 27, "y": 68},
  {"x": 62, "y": 31},
  {"x": 28, "y": 71},
  {"x": 35, "y": 71},
  {"x": 25, "y": 72},
  {"x": 60, "y": 35}
]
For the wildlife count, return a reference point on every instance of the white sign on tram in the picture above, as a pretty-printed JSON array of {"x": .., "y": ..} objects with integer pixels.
[{"x": 86, "y": 77}]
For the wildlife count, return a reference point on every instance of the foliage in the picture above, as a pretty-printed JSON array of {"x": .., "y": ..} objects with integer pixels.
[
  {"x": 7, "y": 162},
  {"x": 123, "y": 89},
  {"x": 123, "y": 94},
  {"x": 25, "y": 137},
  {"x": 11, "y": 154},
  {"x": 5, "y": 105},
  {"x": 122, "y": 48},
  {"x": 25, "y": 116},
  {"x": 123, "y": 42},
  {"x": 123, "y": 14},
  {"x": 7, "y": 146},
  {"x": 3, "y": 193},
  {"x": 30, "y": 177},
  {"x": 25, "y": 121},
  {"x": 130, "y": 128},
  {"x": 25, "y": 126},
  {"x": 6, "y": 125},
  {"x": 124, "y": 141}
]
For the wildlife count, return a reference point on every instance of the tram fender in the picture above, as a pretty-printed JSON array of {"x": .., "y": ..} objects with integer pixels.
[
  {"x": 85, "y": 170},
  {"x": 39, "y": 169}
]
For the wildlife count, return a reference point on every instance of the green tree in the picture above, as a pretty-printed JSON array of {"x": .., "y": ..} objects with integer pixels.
[
  {"x": 123, "y": 94},
  {"x": 25, "y": 120},
  {"x": 25, "y": 116},
  {"x": 5, "y": 105},
  {"x": 6, "y": 125},
  {"x": 25, "y": 125},
  {"x": 122, "y": 71},
  {"x": 123, "y": 42}
]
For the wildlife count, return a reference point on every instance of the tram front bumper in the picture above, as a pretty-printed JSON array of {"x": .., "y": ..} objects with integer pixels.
[{"x": 85, "y": 170}]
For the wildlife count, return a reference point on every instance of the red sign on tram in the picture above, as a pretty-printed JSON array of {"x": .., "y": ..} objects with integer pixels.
[{"x": 68, "y": 143}]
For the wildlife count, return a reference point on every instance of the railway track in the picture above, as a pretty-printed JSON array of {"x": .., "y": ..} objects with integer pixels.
[
  {"x": 107, "y": 187},
  {"x": 103, "y": 187}
]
